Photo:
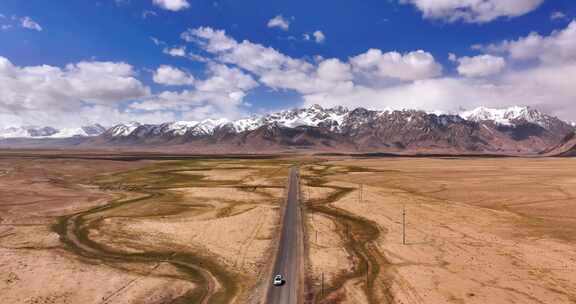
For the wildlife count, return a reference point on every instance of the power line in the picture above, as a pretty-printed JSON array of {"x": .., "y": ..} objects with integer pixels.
[{"x": 404, "y": 225}]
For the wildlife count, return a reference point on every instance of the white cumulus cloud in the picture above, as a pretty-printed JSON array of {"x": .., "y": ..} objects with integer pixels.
[
  {"x": 480, "y": 66},
  {"x": 549, "y": 89},
  {"x": 410, "y": 66},
  {"x": 220, "y": 94},
  {"x": 536, "y": 70},
  {"x": 27, "y": 22},
  {"x": 172, "y": 5},
  {"x": 377, "y": 79},
  {"x": 176, "y": 51},
  {"x": 50, "y": 95},
  {"x": 473, "y": 11},
  {"x": 559, "y": 46},
  {"x": 334, "y": 70},
  {"x": 547, "y": 83},
  {"x": 169, "y": 75},
  {"x": 273, "y": 68},
  {"x": 279, "y": 22},
  {"x": 319, "y": 36}
]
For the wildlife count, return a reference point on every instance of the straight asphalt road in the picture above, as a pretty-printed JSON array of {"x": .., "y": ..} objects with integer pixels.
[{"x": 289, "y": 260}]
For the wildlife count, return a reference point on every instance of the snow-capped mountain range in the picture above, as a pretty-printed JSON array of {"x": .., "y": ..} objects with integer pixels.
[
  {"x": 506, "y": 116},
  {"x": 50, "y": 132},
  {"x": 316, "y": 116},
  {"x": 358, "y": 125}
]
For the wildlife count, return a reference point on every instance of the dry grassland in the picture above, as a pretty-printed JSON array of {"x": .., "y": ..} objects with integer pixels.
[
  {"x": 104, "y": 231},
  {"x": 478, "y": 230}
]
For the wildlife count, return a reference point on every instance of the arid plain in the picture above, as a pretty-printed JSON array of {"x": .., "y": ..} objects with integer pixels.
[
  {"x": 115, "y": 231},
  {"x": 203, "y": 229},
  {"x": 477, "y": 230}
]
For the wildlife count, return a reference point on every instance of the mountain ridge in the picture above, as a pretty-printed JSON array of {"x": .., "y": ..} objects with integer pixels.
[
  {"x": 512, "y": 130},
  {"x": 516, "y": 130},
  {"x": 332, "y": 118},
  {"x": 566, "y": 147}
]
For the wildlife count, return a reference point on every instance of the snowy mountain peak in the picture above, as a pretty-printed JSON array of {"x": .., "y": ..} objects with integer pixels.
[
  {"x": 316, "y": 107},
  {"x": 313, "y": 116},
  {"x": 246, "y": 124},
  {"x": 184, "y": 124},
  {"x": 178, "y": 127},
  {"x": 208, "y": 126},
  {"x": 123, "y": 129},
  {"x": 506, "y": 116}
]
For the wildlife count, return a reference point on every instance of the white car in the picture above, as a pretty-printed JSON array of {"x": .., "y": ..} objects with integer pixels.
[{"x": 278, "y": 280}]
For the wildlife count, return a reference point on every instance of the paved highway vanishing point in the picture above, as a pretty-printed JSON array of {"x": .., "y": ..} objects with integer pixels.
[{"x": 289, "y": 258}]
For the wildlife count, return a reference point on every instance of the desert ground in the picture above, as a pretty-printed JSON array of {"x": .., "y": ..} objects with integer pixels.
[
  {"x": 477, "y": 230},
  {"x": 203, "y": 229},
  {"x": 107, "y": 231}
]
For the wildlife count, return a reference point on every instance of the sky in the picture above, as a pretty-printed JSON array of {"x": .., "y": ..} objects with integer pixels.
[{"x": 69, "y": 63}]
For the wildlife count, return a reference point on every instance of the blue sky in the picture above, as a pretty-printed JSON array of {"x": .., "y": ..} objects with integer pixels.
[{"x": 72, "y": 62}]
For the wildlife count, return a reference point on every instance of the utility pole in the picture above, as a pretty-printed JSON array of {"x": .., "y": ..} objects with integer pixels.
[
  {"x": 322, "y": 286},
  {"x": 367, "y": 274},
  {"x": 404, "y": 225},
  {"x": 360, "y": 190}
]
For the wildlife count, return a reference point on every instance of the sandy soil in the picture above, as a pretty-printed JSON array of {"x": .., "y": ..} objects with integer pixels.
[
  {"x": 315, "y": 193},
  {"x": 51, "y": 184},
  {"x": 478, "y": 230},
  {"x": 224, "y": 174},
  {"x": 328, "y": 257},
  {"x": 55, "y": 276}
]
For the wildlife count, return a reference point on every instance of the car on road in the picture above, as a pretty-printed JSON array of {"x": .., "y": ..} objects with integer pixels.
[{"x": 278, "y": 280}]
